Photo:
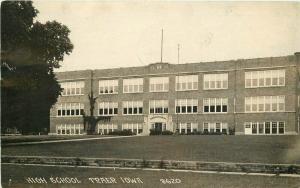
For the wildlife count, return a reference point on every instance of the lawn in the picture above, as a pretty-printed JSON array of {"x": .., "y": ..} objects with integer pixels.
[
  {"x": 33, "y": 138},
  {"x": 148, "y": 178},
  {"x": 253, "y": 149}
]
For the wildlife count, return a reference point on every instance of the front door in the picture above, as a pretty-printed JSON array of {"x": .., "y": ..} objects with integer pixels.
[{"x": 158, "y": 126}]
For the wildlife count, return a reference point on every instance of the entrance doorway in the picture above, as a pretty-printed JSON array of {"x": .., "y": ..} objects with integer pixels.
[{"x": 159, "y": 126}]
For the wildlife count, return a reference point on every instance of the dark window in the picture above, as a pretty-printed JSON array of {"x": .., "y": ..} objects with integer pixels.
[
  {"x": 68, "y": 112},
  {"x": 177, "y": 109},
  {"x": 274, "y": 127},
  {"x": 77, "y": 111},
  {"x": 218, "y": 108},
  {"x": 151, "y": 110},
  {"x": 206, "y": 108},
  {"x": 59, "y": 112},
  {"x": 183, "y": 109},
  {"x": 110, "y": 111},
  {"x": 158, "y": 110},
  {"x": 189, "y": 109},
  {"x": 166, "y": 110},
  {"x": 72, "y": 112},
  {"x": 140, "y": 110},
  {"x": 212, "y": 108},
  {"x": 267, "y": 128},
  {"x": 101, "y": 111},
  {"x": 63, "y": 112},
  {"x": 115, "y": 110},
  {"x": 129, "y": 110},
  {"x": 105, "y": 111},
  {"x": 195, "y": 109},
  {"x": 124, "y": 110},
  {"x": 135, "y": 110},
  {"x": 81, "y": 111},
  {"x": 281, "y": 128},
  {"x": 224, "y": 108},
  {"x": 254, "y": 128}
]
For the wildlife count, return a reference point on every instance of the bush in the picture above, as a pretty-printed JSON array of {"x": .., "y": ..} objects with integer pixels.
[
  {"x": 122, "y": 133},
  {"x": 167, "y": 133},
  {"x": 157, "y": 132}
]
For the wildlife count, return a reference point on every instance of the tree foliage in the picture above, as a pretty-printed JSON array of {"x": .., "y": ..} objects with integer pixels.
[{"x": 30, "y": 51}]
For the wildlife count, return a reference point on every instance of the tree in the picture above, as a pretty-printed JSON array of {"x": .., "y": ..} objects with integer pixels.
[
  {"x": 90, "y": 121},
  {"x": 30, "y": 52}
]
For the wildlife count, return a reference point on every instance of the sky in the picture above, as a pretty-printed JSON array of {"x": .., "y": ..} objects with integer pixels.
[{"x": 124, "y": 34}]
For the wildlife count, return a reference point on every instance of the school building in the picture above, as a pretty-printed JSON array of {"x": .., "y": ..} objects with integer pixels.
[{"x": 250, "y": 96}]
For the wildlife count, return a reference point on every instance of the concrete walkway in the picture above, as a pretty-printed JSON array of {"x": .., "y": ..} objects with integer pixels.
[{"x": 66, "y": 140}]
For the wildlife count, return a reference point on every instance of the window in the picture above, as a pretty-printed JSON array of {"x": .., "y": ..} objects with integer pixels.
[
  {"x": 215, "y": 127},
  {"x": 205, "y": 127},
  {"x": 266, "y": 78},
  {"x": 215, "y": 105},
  {"x": 265, "y": 104},
  {"x": 72, "y": 88},
  {"x": 69, "y": 129},
  {"x": 265, "y": 128},
  {"x": 133, "y": 85},
  {"x": 107, "y": 108},
  {"x": 70, "y": 109},
  {"x": 281, "y": 128},
  {"x": 186, "y": 83},
  {"x": 215, "y": 81},
  {"x": 106, "y": 128},
  {"x": 274, "y": 127},
  {"x": 136, "y": 128},
  {"x": 184, "y": 106},
  {"x": 159, "y": 84},
  {"x": 187, "y": 128},
  {"x": 158, "y": 106},
  {"x": 108, "y": 86},
  {"x": 254, "y": 128},
  {"x": 132, "y": 107}
]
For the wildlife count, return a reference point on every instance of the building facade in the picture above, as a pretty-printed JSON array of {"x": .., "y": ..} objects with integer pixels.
[{"x": 250, "y": 96}]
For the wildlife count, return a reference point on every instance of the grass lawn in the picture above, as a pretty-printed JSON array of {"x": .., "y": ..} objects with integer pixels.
[
  {"x": 33, "y": 138},
  {"x": 256, "y": 149},
  {"x": 149, "y": 178}
]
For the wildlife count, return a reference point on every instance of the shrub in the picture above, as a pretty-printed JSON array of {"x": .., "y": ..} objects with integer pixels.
[
  {"x": 155, "y": 132},
  {"x": 167, "y": 133}
]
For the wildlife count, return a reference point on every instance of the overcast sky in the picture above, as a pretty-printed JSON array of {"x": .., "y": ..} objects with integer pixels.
[{"x": 121, "y": 34}]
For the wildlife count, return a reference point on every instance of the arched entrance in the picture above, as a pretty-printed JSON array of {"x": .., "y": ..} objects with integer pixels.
[{"x": 159, "y": 122}]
